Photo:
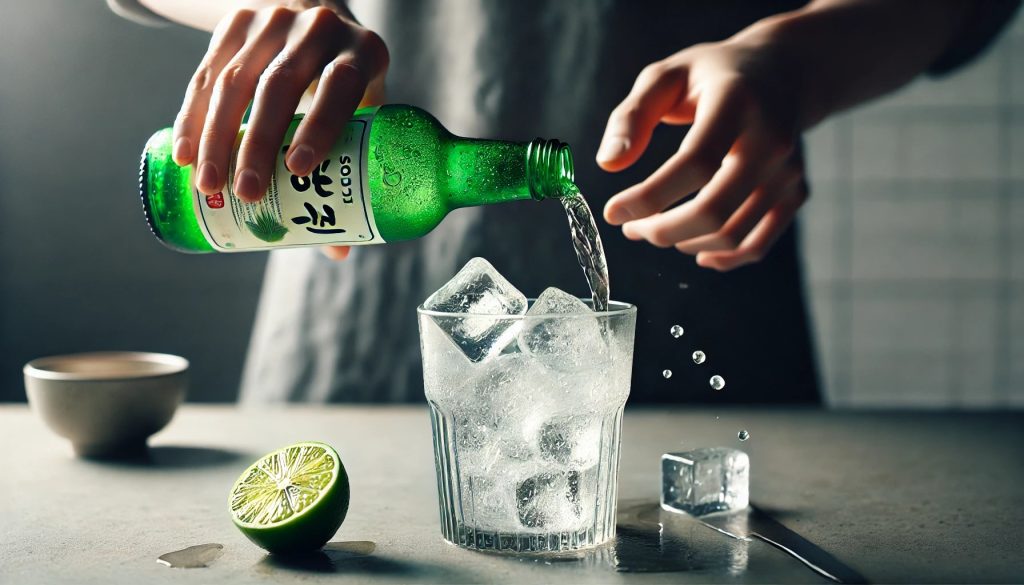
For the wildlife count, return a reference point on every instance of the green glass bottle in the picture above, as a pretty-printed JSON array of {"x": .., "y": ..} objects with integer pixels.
[{"x": 393, "y": 175}]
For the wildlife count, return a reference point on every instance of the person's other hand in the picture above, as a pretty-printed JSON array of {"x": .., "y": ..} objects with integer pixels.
[
  {"x": 270, "y": 57},
  {"x": 739, "y": 155}
]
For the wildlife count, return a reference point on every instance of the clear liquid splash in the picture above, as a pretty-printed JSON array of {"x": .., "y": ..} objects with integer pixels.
[
  {"x": 587, "y": 242},
  {"x": 193, "y": 557}
]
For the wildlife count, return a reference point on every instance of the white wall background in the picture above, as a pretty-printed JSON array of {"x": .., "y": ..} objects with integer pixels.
[{"x": 914, "y": 241}]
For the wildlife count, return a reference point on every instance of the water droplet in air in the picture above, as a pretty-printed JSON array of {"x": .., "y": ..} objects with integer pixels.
[
  {"x": 676, "y": 331},
  {"x": 683, "y": 285},
  {"x": 699, "y": 357},
  {"x": 717, "y": 382},
  {"x": 743, "y": 435},
  {"x": 667, "y": 374}
]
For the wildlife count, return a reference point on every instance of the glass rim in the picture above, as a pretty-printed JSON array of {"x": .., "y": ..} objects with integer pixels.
[{"x": 615, "y": 308}]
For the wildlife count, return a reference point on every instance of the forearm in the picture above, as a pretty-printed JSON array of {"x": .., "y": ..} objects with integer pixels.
[
  {"x": 205, "y": 14},
  {"x": 844, "y": 52}
]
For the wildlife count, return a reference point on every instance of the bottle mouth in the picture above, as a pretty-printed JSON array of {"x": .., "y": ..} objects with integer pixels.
[{"x": 549, "y": 168}]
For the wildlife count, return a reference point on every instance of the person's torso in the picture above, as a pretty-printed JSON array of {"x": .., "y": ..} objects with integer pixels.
[{"x": 518, "y": 70}]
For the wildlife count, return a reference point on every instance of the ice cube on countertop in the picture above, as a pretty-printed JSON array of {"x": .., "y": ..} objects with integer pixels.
[{"x": 706, "y": 480}]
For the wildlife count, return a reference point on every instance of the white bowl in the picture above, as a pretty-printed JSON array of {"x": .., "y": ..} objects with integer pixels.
[{"x": 106, "y": 403}]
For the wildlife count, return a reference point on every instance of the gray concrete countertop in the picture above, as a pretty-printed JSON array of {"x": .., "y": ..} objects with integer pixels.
[{"x": 898, "y": 497}]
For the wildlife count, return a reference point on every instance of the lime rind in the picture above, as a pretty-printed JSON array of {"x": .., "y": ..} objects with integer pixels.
[{"x": 283, "y": 485}]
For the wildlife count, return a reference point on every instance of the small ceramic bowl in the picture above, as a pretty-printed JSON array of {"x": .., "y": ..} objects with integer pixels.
[{"x": 106, "y": 403}]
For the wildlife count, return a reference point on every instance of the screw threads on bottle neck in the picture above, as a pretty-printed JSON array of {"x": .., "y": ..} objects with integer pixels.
[{"x": 549, "y": 168}]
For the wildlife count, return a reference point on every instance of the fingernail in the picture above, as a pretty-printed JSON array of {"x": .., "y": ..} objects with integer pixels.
[
  {"x": 618, "y": 214},
  {"x": 247, "y": 184},
  {"x": 300, "y": 160},
  {"x": 336, "y": 252},
  {"x": 708, "y": 262},
  {"x": 611, "y": 148},
  {"x": 182, "y": 150},
  {"x": 629, "y": 230},
  {"x": 206, "y": 178}
]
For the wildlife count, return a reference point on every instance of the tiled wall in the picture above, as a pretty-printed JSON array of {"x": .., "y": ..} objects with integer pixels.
[{"x": 914, "y": 241}]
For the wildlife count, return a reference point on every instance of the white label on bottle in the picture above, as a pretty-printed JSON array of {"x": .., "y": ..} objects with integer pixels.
[{"x": 330, "y": 206}]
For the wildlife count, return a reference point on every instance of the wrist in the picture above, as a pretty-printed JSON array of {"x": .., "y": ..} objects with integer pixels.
[
  {"x": 783, "y": 50},
  {"x": 839, "y": 53}
]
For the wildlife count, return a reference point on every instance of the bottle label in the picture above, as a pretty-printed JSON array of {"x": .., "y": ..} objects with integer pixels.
[{"x": 330, "y": 206}]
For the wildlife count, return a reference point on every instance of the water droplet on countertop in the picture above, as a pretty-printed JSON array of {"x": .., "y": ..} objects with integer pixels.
[{"x": 193, "y": 557}]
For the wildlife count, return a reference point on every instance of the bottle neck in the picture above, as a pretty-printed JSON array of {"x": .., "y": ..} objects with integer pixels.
[
  {"x": 482, "y": 172},
  {"x": 549, "y": 168}
]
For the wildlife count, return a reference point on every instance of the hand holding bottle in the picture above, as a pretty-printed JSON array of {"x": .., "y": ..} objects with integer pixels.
[{"x": 271, "y": 57}]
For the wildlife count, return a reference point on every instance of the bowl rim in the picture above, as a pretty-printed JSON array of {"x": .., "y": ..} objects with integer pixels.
[{"x": 37, "y": 368}]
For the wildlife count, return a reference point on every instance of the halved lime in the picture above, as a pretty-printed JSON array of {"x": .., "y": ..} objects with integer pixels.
[{"x": 291, "y": 500}]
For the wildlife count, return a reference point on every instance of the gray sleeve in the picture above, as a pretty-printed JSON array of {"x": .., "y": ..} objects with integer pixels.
[
  {"x": 982, "y": 25},
  {"x": 136, "y": 12}
]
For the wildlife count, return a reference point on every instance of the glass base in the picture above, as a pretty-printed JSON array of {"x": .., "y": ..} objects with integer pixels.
[
  {"x": 534, "y": 542},
  {"x": 592, "y": 489}
]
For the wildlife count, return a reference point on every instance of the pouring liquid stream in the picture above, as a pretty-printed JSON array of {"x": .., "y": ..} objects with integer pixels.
[{"x": 586, "y": 241}]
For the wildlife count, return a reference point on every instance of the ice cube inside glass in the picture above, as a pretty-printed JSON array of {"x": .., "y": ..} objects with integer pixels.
[
  {"x": 526, "y": 438},
  {"x": 704, "y": 481},
  {"x": 475, "y": 300}
]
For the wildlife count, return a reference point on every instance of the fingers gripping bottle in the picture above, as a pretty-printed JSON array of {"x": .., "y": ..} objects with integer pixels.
[{"x": 393, "y": 175}]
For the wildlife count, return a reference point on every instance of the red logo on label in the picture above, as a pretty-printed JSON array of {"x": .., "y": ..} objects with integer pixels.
[{"x": 215, "y": 201}]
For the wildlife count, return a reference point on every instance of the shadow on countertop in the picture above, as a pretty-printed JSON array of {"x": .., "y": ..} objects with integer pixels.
[
  {"x": 354, "y": 557},
  {"x": 174, "y": 457}
]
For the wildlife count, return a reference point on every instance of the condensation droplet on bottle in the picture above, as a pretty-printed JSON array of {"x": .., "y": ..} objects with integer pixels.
[
  {"x": 699, "y": 357},
  {"x": 743, "y": 435},
  {"x": 717, "y": 382},
  {"x": 667, "y": 374},
  {"x": 676, "y": 331}
]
